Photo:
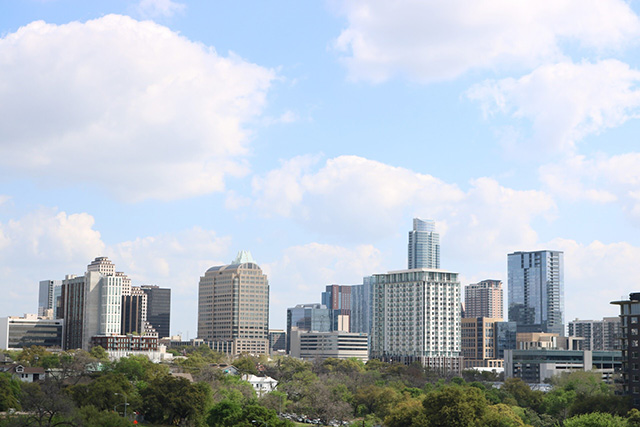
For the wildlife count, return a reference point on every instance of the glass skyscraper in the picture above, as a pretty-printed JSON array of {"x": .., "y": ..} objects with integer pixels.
[
  {"x": 536, "y": 291},
  {"x": 424, "y": 245}
]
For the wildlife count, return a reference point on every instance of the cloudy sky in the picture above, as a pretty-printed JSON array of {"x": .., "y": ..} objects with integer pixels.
[{"x": 170, "y": 135}]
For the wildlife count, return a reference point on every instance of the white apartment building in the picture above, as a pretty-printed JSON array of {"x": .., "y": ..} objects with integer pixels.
[{"x": 416, "y": 317}]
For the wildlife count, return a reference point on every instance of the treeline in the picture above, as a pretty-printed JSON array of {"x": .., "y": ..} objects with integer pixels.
[{"x": 85, "y": 389}]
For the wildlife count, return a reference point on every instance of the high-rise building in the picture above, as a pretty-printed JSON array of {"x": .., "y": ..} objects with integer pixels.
[
  {"x": 536, "y": 291},
  {"x": 424, "y": 245},
  {"x": 360, "y": 319},
  {"x": 307, "y": 317},
  {"x": 233, "y": 307},
  {"x": 416, "y": 317},
  {"x": 483, "y": 299},
  {"x": 602, "y": 334},
  {"x": 338, "y": 299},
  {"x": 630, "y": 346},
  {"x": 158, "y": 308},
  {"x": 47, "y": 298}
]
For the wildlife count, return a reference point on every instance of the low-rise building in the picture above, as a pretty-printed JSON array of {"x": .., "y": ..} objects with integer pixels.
[
  {"x": 261, "y": 385},
  {"x": 22, "y": 332},
  {"x": 324, "y": 345},
  {"x": 23, "y": 373}
]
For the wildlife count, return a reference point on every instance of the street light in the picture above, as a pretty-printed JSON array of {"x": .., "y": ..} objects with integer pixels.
[{"x": 125, "y": 403}]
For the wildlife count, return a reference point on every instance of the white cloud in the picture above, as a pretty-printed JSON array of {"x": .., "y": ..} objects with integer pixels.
[
  {"x": 303, "y": 271},
  {"x": 156, "y": 8},
  {"x": 430, "y": 40},
  {"x": 129, "y": 106},
  {"x": 364, "y": 200},
  {"x": 596, "y": 274},
  {"x": 565, "y": 102}
]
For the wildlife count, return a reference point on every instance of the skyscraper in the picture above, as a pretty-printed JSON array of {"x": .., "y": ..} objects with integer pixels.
[
  {"x": 536, "y": 291},
  {"x": 307, "y": 317},
  {"x": 483, "y": 299},
  {"x": 47, "y": 296},
  {"x": 338, "y": 299},
  {"x": 158, "y": 308},
  {"x": 416, "y": 317},
  {"x": 424, "y": 245},
  {"x": 233, "y": 307}
]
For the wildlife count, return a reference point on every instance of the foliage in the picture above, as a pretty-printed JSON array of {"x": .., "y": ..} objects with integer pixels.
[
  {"x": 409, "y": 413},
  {"x": 106, "y": 393},
  {"x": 46, "y": 404},
  {"x": 174, "y": 400},
  {"x": 455, "y": 406},
  {"x": 93, "y": 417},
  {"x": 99, "y": 353},
  {"x": 501, "y": 415},
  {"x": 9, "y": 392},
  {"x": 139, "y": 368},
  {"x": 595, "y": 419}
]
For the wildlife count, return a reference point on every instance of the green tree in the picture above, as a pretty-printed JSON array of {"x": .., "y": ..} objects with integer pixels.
[
  {"x": 246, "y": 365},
  {"x": 174, "y": 400},
  {"x": 225, "y": 413},
  {"x": 595, "y": 419},
  {"x": 523, "y": 394},
  {"x": 46, "y": 404},
  {"x": 455, "y": 406},
  {"x": 501, "y": 415},
  {"x": 93, "y": 417},
  {"x": 99, "y": 353},
  {"x": 9, "y": 392},
  {"x": 106, "y": 392},
  {"x": 409, "y": 413}
]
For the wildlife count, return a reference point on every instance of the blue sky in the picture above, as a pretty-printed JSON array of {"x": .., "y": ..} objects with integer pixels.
[{"x": 170, "y": 135}]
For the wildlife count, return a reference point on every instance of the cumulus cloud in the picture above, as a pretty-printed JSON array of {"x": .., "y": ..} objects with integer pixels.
[
  {"x": 565, "y": 102},
  {"x": 303, "y": 271},
  {"x": 128, "y": 106},
  {"x": 364, "y": 200},
  {"x": 432, "y": 41},
  {"x": 600, "y": 179},
  {"x": 156, "y": 8}
]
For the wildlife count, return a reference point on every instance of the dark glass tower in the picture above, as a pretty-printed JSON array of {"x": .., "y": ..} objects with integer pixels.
[{"x": 158, "y": 309}]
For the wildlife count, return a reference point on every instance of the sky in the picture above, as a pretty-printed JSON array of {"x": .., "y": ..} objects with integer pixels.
[{"x": 169, "y": 135}]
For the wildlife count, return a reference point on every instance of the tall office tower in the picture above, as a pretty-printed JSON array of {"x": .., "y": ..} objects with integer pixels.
[
  {"x": 479, "y": 342},
  {"x": 233, "y": 307},
  {"x": 424, "y": 245},
  {"x": 134, "y": 311},
  {"x": 102, "y": 265},
  {"x": 360, "y": 319},
  {"x": 307, "y": 317},
  {"x": 91, "y": 306},
  {"x": 599, "y": 335},
  {"x": 630, "y": 346},
  {"x": 536, "y": 291},
  {"x": 47, "y": 302},
  {"x": 416, "y": 317},
  {"x": 126, "y": 283},
  {"x": 483, "y": 299},
  {"x": 158, "y": 308},
  {"x": 338, "y": 299}
]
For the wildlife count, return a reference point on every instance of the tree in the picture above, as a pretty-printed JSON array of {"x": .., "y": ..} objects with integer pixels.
[
  {"x": 9, "y": 392},
  {"x": 99, "y": 353},
  {"x": 106, "y": 392},
  {"x": 225, "y": 413},
  {"x": 595, "y": 419},
  {"x": 174, "y": 400},
  {"x": 501, "y": 415},
  {"x": 93, "y": 417},
  {"x": 409, "y": 413},
  {"x": 523, "y": 393},
  {"x": 455, "y": 406},
  {"x": 46, "y": 404}
]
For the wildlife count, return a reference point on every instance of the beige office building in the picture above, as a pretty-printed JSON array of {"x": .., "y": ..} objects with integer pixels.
[
  {"x": 480, "y": 342},
  {"x": 233, "y": 307}
]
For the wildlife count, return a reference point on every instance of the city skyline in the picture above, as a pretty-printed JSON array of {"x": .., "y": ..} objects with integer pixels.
[{"x": 168, "y": 135}]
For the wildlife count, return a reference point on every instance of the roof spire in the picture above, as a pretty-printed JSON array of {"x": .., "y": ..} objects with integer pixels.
[{"x": 243, "y": 257}]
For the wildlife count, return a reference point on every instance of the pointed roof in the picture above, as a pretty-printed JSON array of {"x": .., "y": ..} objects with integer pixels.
[{"x": 243, "y": 257}]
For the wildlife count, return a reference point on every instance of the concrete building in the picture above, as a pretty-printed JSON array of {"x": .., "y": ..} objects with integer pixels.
[
  {"x": 484, "y": 299},
  {"x": 22, "y": 332},
  {"x": 602, "y": 334},
  {"x": 416, "y": 317},
  {"x": 308, "y": 317},
  {"x": 277, "y": 341},
  {"x": 324, "y": 345},
  {"x": 158, "y": 308},
  {"x": 536, "y": 291},
  {"x": 630, "y": 346},
  {"x": 538, "y": 365},
  {"x": 424, "y": 245},
  {"x": 479, "y": 342},
  {"x": 233, "y": 307}
]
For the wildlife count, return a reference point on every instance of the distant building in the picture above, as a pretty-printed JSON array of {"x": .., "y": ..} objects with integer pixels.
[
  {"x": 416, "y": 317},
  {"x": 602, "y": 334},
  {"x": 337, "y": 298},
  {"x": 277, "y": 341},
  {"x": 22, "y": 332},
  {"x": 49, "y": 291},
  {"x": 479, "y": 342},
  {"x": 424, "y": 245},
  {"x": 324, "y": 345},
  {"x": 630, "y": 346},
  {"x": 360, "y": 319},
  {"x": 307, "y": 317},
  {"x": 536, "y": 291},
  {"x": 158, "y": 308},
  {"x": 127, "y": 342},
  {"x": 233, "y": 307},
  {"x": 506, "y": 335},
  {"x": 23, "y": 373},
  {"x": 538, "y": 365},
  {"x": 483, "y": 299},
  {"x": 261, "y": 385}
]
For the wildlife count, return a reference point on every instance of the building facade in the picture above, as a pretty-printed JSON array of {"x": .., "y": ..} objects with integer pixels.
[
  {"x": 307, "y": 317},
  {"x": 23, "y": 332},
  {"x": 602, "y": 334},
  {"x": 233, "y": 307},
  {"x": 47, "y": 301},
  {"x": 360, "y": 319},
  {"x": 479, "y": 342},
  {"x": 158, "y": 308},
  {"x": 337, "y": 298},
  {"x": 424, "y": 245},
  {"x": 536, "y": 291},
  {"x": 484, "y": 299},
  {"x": 416, "y": 317},
  {"x": 325, "y": 345},
  {"x": 630, "y": 346}
]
